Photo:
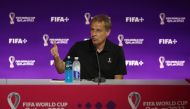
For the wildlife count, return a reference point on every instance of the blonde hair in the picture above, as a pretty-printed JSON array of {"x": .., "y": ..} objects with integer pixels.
[{"x": 103, "y": 18}]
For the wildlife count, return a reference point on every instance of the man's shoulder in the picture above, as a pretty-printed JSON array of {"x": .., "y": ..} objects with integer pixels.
[
  {"x": 82, "y": 44},
  {"x": 113, "y": 45}
]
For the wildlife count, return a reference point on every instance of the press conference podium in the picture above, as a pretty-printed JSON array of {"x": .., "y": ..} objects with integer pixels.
[{"x": 113, "y": 94}]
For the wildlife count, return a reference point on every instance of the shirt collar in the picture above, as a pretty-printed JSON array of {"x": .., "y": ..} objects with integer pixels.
[{"x": 107, "y": 46}]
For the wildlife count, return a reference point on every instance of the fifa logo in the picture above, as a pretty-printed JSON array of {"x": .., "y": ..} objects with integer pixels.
[
  {"x": 161, "y": 60},
  {"x": 11, "y": 61},
  {"x": 135, "y": 104},
  {"x": 162, "y": 18},
  {"x": 45, "y": 38},
  {"x": 12, "y": 16},
  {"x": 87, "y": 17},
  {"x": 120, "y": 38},
  {"x": 16, "y": 102}
]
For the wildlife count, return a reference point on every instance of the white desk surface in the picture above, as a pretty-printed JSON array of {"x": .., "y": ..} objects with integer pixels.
[
  {"x": 3, "y": 81},
  {"x": 85, "y": 82}
]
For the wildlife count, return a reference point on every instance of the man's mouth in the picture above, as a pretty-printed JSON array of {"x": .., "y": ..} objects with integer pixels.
[{"x": 94, "y": 39}]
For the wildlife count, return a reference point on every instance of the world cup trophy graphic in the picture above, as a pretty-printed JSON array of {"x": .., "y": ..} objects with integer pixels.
[
  {"x": 87, "y": 18},
  {"x": 135, "y": 104},
  {"x": 16, "y": 101},
  {"x": 120, "y": 39},
  {"x": 161, "y": 60},
  {"x": 11, "y": 61},
  {"x": 12, "y": 16},
  {"x": 162, "y": 18},
  {"x": 45, "y": 38}
]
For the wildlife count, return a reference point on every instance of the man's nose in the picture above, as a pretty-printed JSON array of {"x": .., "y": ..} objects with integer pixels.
[{"x": 93, "y": 33}]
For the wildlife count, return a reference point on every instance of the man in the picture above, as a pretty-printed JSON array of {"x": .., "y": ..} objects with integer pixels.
[{"x": 111, "y": 56}]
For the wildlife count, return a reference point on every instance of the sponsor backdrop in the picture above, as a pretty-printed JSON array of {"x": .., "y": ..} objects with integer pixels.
[
  {"x": 153, "y": 34},
  {"x": 95, "y": 97}
]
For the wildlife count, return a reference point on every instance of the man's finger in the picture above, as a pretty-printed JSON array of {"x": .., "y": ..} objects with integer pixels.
[{"x": 54, "y": 43}]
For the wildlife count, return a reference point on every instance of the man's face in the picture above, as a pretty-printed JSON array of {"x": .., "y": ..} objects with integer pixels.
[{"x": 98, "y": 33}]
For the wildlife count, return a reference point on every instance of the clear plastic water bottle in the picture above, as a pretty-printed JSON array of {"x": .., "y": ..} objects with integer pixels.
[
  {"x": 76, "y": 69},
  {"x": 68, "y": 70}
]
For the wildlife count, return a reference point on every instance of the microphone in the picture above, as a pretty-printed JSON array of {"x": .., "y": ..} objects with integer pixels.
[{"x": 98, "y": 79}]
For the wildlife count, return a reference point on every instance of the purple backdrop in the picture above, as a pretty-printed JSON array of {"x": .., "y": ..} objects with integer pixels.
[{"x": 153, "y": 50}]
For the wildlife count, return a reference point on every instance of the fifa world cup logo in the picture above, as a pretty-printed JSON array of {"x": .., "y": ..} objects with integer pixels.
[
  {"x": 135, "y": 104},
  {"x": 16, "y": 101},
  {"x": 11, "y": 16},
  {"x": 11, "y": 61},
  {"x": 45, "y": 38},
  {"x": 120, "y": 39},
  {"x": 87, "y": 17},
  {"x": 162, "y": 18},
  {"x": 161, "y": 60}
]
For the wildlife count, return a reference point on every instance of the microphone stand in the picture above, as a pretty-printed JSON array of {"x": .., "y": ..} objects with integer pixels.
[{"x": 99, "y": 79}]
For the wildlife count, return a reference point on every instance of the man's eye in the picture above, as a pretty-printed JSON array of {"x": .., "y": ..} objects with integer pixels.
[{"x": 98, "y": 30}]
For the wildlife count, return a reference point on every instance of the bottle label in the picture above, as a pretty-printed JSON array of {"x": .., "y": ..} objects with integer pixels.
[
  {"x": 68, "y": 72},
  {"x": 68, "y": 76},
  {"x": 76, "y": 75}
]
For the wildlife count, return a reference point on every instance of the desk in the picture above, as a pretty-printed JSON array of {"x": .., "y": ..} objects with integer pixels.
[
  {"x": 85, "y": 82},
  {"x": 113, "y": 94},
  {"x": 3, "y": 81}
]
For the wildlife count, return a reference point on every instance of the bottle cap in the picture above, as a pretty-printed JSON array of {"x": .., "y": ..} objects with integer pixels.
[
  {"x": 76, "y": 58},
  {"x": 68, "y": 57}
]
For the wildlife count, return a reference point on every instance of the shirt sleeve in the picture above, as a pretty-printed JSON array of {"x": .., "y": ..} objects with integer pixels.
[{"x": 120, "y": 63}]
